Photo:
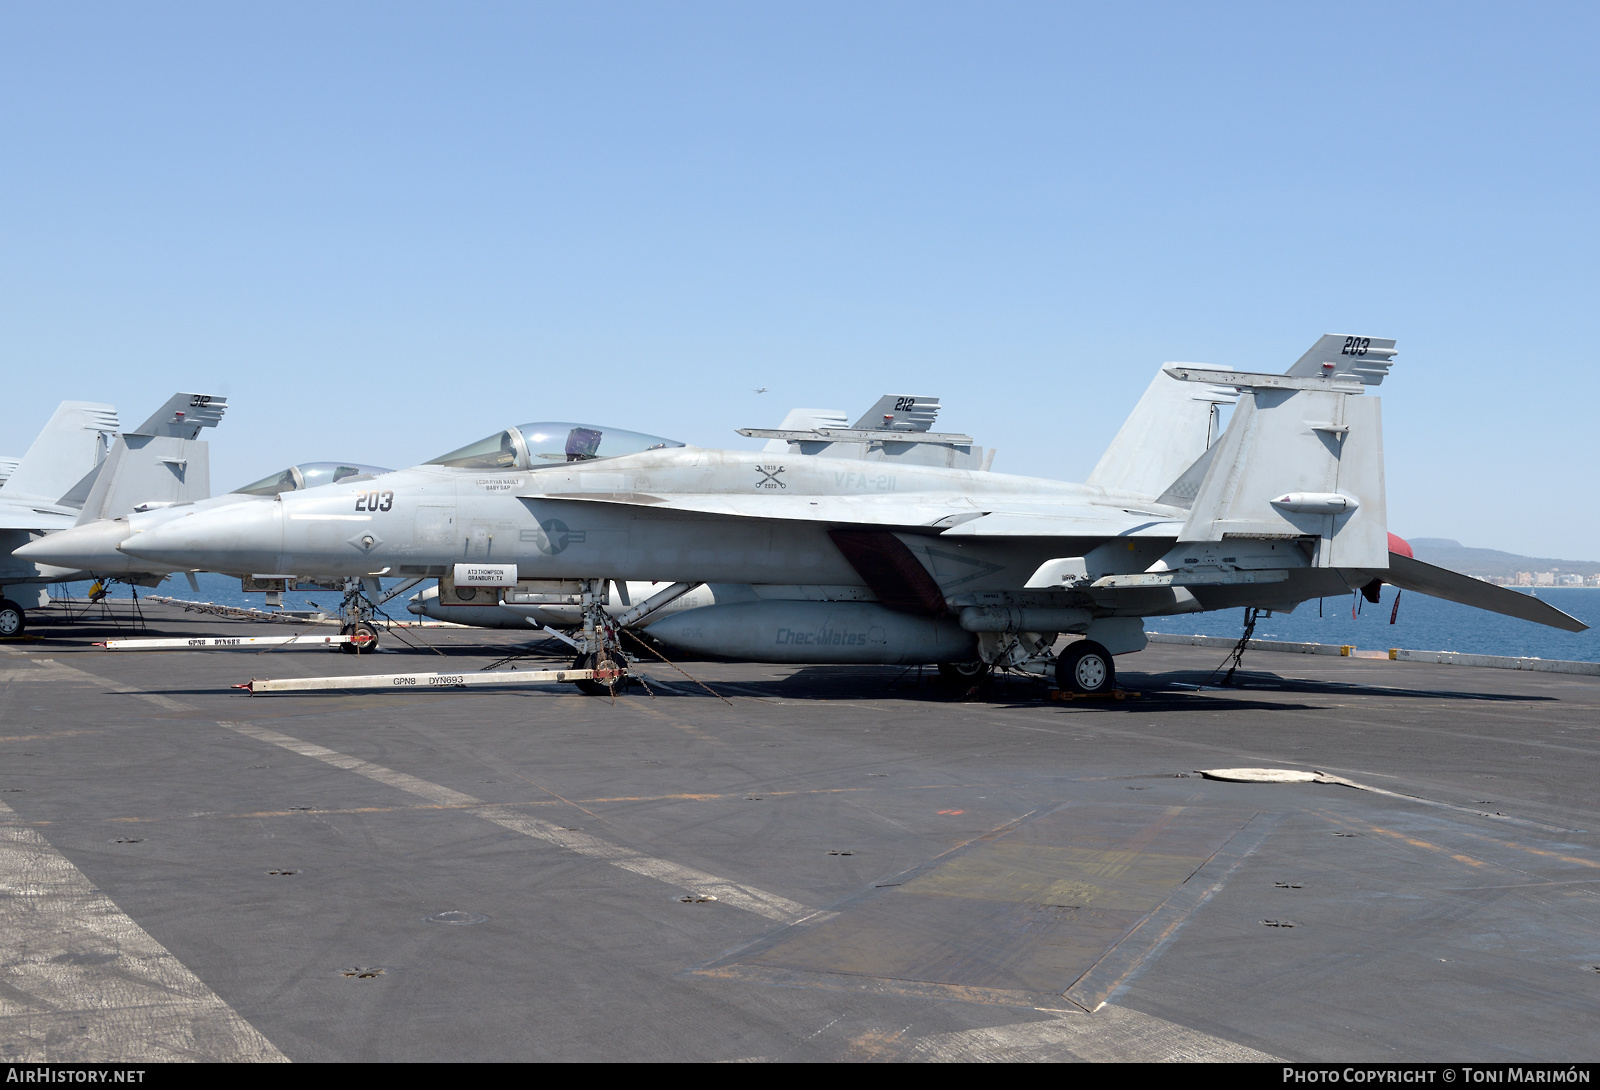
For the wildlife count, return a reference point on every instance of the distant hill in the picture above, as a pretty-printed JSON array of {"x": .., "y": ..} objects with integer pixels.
[{"x": 1491, "y": 562}]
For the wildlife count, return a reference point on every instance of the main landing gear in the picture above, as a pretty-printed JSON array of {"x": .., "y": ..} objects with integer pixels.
[
  {"x": 965, "y": 674},
  {"x": 13, "y": 619},
  {"x": 1086, "y": 667}
]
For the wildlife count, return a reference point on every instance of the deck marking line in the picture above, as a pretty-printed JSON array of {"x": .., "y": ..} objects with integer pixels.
[
  {"x": 1418, "y": 842},
  {"x": 1151, "y": 935},
  {"x": 86, "y": 984},
  {"x": 1326, "y": 777},
  {"x": 726, "y": 891},
  {"x": 51, "y": 670},
  {"x": 1110, "y": 1035}
]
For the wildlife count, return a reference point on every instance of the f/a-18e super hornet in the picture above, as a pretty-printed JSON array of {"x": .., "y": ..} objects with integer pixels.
[
  {"x": 73, "y": 473},
  {"x": 896, "y": 428},
  {"x": 947, "y": 564}
]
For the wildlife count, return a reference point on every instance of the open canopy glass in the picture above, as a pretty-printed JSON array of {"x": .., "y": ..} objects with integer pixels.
[
  {"x": 547, "y": 442},
  {"x": 309, "y": 475}
]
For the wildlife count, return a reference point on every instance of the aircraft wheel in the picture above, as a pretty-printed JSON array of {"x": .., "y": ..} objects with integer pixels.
[
  {"x": 364, "y": 638},
  {"x": 1086, "y": 667},
  {"x": 13, "y": 619},
  {"x": 963, "y": 673},
  {"x": 605, "y": 660}
]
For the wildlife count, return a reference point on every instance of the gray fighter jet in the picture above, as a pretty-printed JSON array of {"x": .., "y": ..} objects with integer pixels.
[
  {"x": 946, "y": 564},
  {"x": 74, "y": 472},
  {"x": 907, "y": 421}
]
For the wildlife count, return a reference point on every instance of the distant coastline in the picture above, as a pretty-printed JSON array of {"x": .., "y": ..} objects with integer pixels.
[{"x": 1506, "y": 569}]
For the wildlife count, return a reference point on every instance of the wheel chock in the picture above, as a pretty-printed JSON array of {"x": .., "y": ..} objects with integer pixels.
[{"x": 1114, "y": 694}]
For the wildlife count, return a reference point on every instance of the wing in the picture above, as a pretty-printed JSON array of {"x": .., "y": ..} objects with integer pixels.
[{"x": 954, "y": 516}]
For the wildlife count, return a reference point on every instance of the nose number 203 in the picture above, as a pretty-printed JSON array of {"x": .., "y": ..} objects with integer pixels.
[{"x": 374, "y": 501}]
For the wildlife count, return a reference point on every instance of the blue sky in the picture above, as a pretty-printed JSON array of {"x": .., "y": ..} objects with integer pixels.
[{"x": 383, "y": 230}]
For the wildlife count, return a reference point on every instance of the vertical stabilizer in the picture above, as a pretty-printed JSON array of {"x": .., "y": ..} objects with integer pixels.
[
  {"x": 70, "y": 446},
  {"x": 160, "y": 464},
  {"x": 184, "y": 415},
  {"x": 1173, "y": 424},
  {"x": 1336, "y": 355},
  {"x": 900, "y": 412},
  {"x": 1301, "y": 459}
]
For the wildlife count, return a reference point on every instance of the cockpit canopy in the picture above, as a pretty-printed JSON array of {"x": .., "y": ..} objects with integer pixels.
[
  {"x": 528, "y": 446},
  {"x": 309, "y": 475}
]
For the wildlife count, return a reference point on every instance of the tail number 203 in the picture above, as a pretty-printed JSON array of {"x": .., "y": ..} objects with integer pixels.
[
  {"x": 374, "y": 501},
  {"x": 1355, "y": 346}
]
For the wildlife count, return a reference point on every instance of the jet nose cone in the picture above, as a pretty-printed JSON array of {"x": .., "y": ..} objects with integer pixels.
[
  {"x": 90, "y": 547},
  {"x": 243, "y": 537}
]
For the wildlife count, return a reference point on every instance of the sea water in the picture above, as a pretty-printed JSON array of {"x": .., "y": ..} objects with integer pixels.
[
  {"x": 223, "y": 590},
  {"x": 1421, "y": 624}
]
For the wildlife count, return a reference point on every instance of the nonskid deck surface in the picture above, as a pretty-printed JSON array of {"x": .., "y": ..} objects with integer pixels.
[{"x": 830, "y": 864}]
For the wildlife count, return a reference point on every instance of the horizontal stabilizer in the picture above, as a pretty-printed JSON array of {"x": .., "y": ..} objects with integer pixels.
[{"x": 1409, "y": 574}]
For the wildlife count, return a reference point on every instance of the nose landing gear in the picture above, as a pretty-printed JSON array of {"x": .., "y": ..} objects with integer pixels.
[
  {"x": 363, "y": 637},
  {"x": 358, "y": 612},
  {"x": 600, "y": 649}
]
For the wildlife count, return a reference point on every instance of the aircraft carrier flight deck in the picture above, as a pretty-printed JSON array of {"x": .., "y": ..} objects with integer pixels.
[{"x": 745, "y": 862}]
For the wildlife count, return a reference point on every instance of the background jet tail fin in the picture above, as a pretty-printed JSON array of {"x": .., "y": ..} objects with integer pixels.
[
  {"x": 876, "y": 436},
  {"x": 1410, "y": 574},
  {"x": 900, "y": 412},
  {"x": 160, "y": 464},
  {"x": 71, "y": 445},
  {"x": 184, "y": 415},
  {"x": 805, "y": 420},
  {"x": 1174, "y": 423}
]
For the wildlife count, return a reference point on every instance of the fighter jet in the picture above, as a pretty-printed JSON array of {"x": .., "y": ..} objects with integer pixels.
[
  {"x": 948, "y": 564},
  {"x": 901, "y": 427},
  {"x": 69, "y": 475},
  {"x": 1172, "y": 425}
]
